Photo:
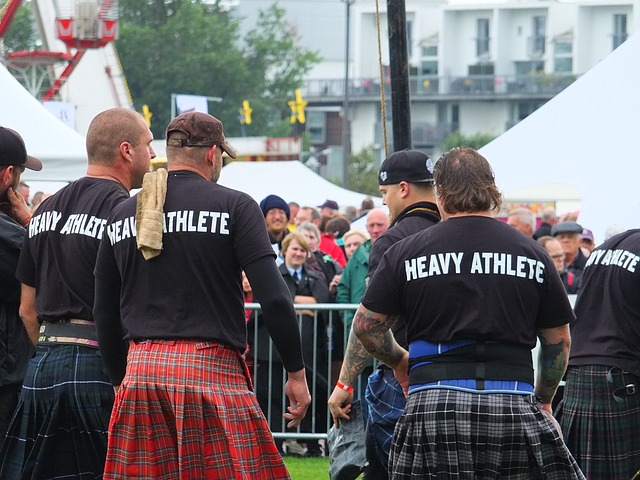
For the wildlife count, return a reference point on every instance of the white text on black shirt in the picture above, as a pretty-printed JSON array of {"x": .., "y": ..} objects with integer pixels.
[{"x": 487, "y": 263}]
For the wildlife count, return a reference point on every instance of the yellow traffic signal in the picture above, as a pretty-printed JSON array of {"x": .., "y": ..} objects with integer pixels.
[
  {"x": 146, "y": 113},
  {"x": 297, "y": 108},
  {"x": 245, "y": 111}
]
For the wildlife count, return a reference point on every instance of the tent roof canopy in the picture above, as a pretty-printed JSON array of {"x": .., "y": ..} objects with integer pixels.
[
  {"x": 60, "y": 148},
  {"x": 290, "y": 180},
  {"x": 582, "y": 138}
]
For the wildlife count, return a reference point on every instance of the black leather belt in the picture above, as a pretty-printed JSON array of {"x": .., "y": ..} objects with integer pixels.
[{"x": 72, "y": 331}]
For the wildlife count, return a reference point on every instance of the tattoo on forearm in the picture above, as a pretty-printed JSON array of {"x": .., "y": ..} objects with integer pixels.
[
  {"x": 356, "y": 358},
  {"x": 553, "y": 363},
  {"x": 373, "y": 331}
]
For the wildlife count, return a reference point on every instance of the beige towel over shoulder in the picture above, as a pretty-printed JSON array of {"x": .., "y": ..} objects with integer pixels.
[{"x": 149, "y": 209}]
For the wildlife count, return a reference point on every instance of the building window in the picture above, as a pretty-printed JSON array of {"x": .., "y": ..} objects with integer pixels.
[
  {"x": 527, "y": 108},
  {"x": 316, "y": 126},
  {"x": 563, "y": 57},
  {"x": 429, "y": 50},
  {"x": 539, "y": 37},
  {"x": 455, "y": 117},
  {"x": 619, "y": 29},
  {"x": 429, "y": 67},
  {"x": 482, "y": 39}
]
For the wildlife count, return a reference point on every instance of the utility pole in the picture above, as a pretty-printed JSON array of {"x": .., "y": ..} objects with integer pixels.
[
  {"x": 399, "y": 65},
  {"x": 346, "y": 121}
]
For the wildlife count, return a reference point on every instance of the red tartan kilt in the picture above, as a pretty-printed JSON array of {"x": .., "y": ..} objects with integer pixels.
[{"x": 186, "y": 410}]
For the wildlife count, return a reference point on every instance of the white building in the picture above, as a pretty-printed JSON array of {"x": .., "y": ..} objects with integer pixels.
[{"x": 474, "y": 67}]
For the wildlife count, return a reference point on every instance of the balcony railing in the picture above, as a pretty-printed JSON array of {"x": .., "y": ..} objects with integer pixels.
[{"x": 433, "y": 85}]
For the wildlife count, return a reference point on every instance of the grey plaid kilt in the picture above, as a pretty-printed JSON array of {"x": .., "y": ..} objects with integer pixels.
[
  {"x": 451, "y": 434},
  {"x": 603, "y": 435}
]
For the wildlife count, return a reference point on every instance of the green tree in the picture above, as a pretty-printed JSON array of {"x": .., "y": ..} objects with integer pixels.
[
  {"x": 363, "y": 172},
  {"x": 21, "y": 35},
  {"x": 192, "y": 47},
  {"x": 280, "y": 65},
  {"x": 456, "y": 139}
]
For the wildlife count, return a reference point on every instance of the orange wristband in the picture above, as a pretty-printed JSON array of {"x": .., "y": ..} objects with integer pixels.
[
  {"x": 26, "y": 222},
  {"x": 344, "y": 387}
]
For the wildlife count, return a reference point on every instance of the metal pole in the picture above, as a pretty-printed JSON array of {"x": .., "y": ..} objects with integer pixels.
[
  {"x": 399, "y": 65},
  {"x": 346, "y": 121}
]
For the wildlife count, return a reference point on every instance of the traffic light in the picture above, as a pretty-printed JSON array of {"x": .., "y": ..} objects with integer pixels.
[
  {"x": 146, "y": 113},
  {"x": 245, "y": 113},
  {"x": 297, "y": 108}
]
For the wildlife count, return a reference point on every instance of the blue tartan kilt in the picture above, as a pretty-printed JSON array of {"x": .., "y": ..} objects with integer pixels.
[
  {"x": 59, "y": 428},
  {"x": 446, "y": 434},
  {"x": 385, "y": 401},
  {"x": 602, "y": 433}
]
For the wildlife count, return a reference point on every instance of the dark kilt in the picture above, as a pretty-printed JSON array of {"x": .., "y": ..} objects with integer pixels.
[
  {"x": 602, "y": 434},
  {"x": 448, "y": 434},
  {"x": 186, "y": 410},
  {"x": 59, "y": 428}
]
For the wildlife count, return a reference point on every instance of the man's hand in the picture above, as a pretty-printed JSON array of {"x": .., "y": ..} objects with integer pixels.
[
  {"x": 340, "y": 405},
  {"x": 297, "y": 392},
  {"x": 334, "y": 283},
  {"x": 401, "y": 372},
  {"x": 548, "y": 412},
  {"x": 19, "y": 209}
]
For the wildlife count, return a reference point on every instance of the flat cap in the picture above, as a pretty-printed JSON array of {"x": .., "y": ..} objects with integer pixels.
[{"x": 566, "y": 227}]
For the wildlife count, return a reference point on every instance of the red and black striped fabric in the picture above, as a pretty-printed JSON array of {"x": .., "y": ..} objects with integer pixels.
[{"x": 186, "y": 410}]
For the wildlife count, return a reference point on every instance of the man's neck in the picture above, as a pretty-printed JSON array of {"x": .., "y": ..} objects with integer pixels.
[{"x": 109, "y": 173}]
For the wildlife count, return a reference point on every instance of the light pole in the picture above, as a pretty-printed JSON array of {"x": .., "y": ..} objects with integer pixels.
[{"x": 346, "y": 121}]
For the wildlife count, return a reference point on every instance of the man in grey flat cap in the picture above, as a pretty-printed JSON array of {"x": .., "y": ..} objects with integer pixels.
[{"x": 568, "y": 234}]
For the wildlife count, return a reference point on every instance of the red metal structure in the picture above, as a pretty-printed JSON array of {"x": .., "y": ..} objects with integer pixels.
[{"x": 80, "y": 24}]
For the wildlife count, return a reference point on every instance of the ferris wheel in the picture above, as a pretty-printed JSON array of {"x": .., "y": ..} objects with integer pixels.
[{"x": 81, "y": 26}]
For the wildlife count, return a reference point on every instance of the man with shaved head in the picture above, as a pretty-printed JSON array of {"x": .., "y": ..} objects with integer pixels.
[{"x": 60, "y": 426}]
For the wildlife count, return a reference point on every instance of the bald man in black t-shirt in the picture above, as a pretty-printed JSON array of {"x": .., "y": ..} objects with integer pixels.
[
  {"x": 475, "y": 294},
  {"x": 185, "y": 404},
  {"x": 59, "y": 429}
]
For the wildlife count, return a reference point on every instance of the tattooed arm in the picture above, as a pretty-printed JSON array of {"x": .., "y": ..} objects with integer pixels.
[
  {"x": 373, "y": 331},
  {"x": 356, "y": 358},
  {"x": 552, "y": 361}
]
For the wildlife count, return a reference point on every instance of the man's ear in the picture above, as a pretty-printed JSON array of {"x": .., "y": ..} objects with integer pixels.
[
  {"x": 211, "y": 155},
  {"x": 125, "y": 151},
  {"x": 6, "y": 176}
]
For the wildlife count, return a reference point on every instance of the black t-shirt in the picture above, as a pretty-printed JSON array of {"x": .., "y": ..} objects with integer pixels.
[
  {"x": 193, "y": 289},
  {"x": 405, "y": 225},
  {"x": 470, "y": 278},
  {"x": 607, "y": 326},
  {"x": 62, "y": 242}
]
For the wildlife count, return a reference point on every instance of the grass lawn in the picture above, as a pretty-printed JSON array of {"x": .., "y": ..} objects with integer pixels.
[{"x": 307, "y": 468}]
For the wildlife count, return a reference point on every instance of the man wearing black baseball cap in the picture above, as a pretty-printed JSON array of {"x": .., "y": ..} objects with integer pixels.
[
  {"x": 406, "y": 184},
  {"x": 14, "y": 216},
  {"x": 13, "y": 161}
]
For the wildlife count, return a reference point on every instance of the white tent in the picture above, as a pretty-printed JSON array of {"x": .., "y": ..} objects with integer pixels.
[
  {"x": 582, "y": 138},
  {"x": 61, "y": 149},
  {"x": 290, "y": 180}
]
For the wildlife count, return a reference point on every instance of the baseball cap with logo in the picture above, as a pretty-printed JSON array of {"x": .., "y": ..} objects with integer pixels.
[
  {"x": 201, "y": 129},
  {"x": 406, "y": 166},
  {"x": 14, "y": 152}
]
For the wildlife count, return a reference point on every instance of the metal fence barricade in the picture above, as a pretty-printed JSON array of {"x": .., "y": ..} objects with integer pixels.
[{"x": 324, "y": 337}]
